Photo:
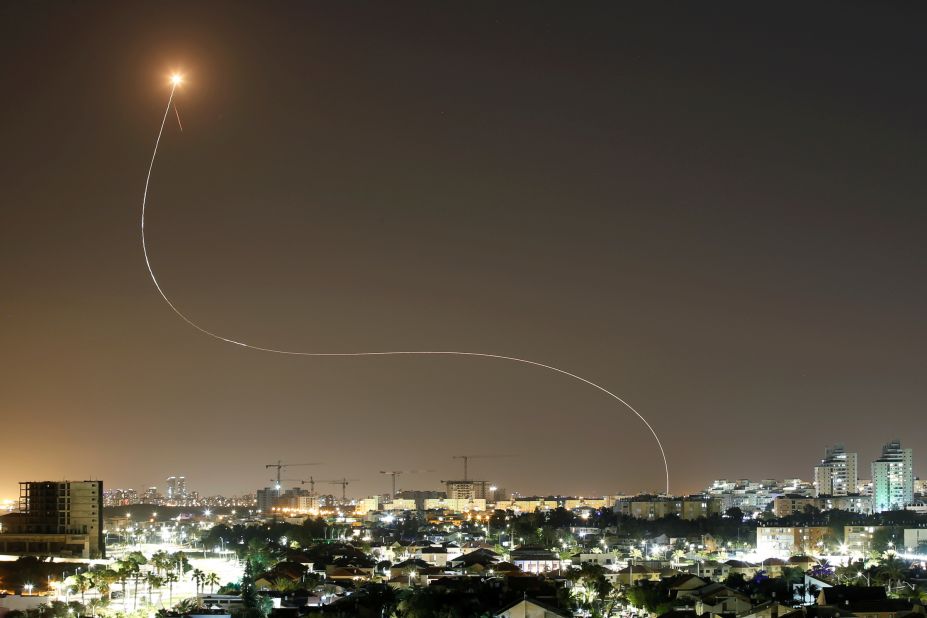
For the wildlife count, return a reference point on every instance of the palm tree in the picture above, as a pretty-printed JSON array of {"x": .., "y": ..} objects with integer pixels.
[
  {"x": 104, "y": 580},
  {"x": 284, "y": 584},
  {"x": 94, "y": 604},
  {"x": 180, "y": 562},
  {"x": 154, "y": 581},
  {"x": 124, "y": 569},
  {"x": 199, "y": 577},
  {"x": 170, "y": 578},
  {"x": 137, "y": 560},
  {"x": 161, "y": 561},
  {"x": 212, "y": 580},
  {"x": 891, "y": 570},
  {"x": 82, "y": 583}
]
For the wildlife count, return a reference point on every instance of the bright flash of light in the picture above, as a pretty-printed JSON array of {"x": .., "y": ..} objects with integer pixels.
[{"x": 176, "y": 79}]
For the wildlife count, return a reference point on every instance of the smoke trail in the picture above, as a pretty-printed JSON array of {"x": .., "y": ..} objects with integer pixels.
[
  {"x": 243, "y": 344},
  {"x": 179, "y": 124}
]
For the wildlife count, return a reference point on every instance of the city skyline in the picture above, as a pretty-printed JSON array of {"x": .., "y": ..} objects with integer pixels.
[
  {"x": 729, "y": 241},
  {"x": 417, "y": 480}
]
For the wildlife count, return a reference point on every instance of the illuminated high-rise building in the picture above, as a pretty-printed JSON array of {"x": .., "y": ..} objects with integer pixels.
[
  {"x": 176, "y": 488},
  {"x": 838, "y": 473},
  {"x": 893, "y": 478}
]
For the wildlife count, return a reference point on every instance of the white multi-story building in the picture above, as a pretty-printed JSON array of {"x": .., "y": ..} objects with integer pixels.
[
  {"x": 838, "y": 474},
  {"x": 893, "y": 478},
  {"x": 751, "y": 496}
]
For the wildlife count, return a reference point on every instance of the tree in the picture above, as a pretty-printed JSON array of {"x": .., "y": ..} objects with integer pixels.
[
  {"x": 137, "y": 560},
  {"x": 284, "y": 584},
  {"x": 161, "y": 561},
  {"x": 154, "y": 581},
  {"x": 890, "y": 571},
  {"x": 258, "y": 552},
  {"x": 590, "y": 588},
  {"x": 95, "y": 604},
  {"x": 648, "y": 596},
  {"x": 735, "y": 513},
  {"x": 170, "y": 578},
  {"x": 104, "y": 580},
  {"x": 212, "y": 580},
  {"x": 180, "y": 562},
  {"x": 82, "y": 582},
  {"x": 199, "y": 577},
  {"x": 250, "y": 598},
  {"x": 883, "y": 539},
  {"x": 125, "y": 568}
]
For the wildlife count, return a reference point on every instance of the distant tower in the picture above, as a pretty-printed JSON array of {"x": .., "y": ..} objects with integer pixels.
[
  {"x": 893, "y": 478},
  {"x": 838, "y": 473},
  {"x": 176, "y": 488}
]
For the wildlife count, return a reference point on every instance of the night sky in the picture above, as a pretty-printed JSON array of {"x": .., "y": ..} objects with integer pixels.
[{"x": 716, "y": 210}]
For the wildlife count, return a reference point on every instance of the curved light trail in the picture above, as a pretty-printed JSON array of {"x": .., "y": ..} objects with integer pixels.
[{"x": 175, "y": 82}]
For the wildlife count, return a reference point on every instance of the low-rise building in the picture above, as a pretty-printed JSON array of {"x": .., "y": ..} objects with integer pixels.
[
  {"x": 634, "y": 573},
  {"x": 455, "y": 505},
  {"x": 400, "y": 504},
  {"x": 854, "y": 503},
  {"x": 658, "y": 507},
  {"x": 783, "y": 506},
  {"x": 858, "y": 539},
  {"x": 609, "y": 560},
  {"x": 535, "y": 559},
  {"x": 527, "y": 505},
  {"x": 785, "y": 541}
]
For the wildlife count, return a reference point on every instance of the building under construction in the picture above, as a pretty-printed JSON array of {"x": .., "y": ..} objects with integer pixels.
[{"x": 56, "y": 519}]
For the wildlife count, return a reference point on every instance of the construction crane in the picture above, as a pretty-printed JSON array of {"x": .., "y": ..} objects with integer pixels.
[
  {"x": 311, "y": 482},
  {"x": 395, "y": 473},
  {"x": 467, "y": 458},
  {"x": 280, "y": 466},
  {"x": 300, "y": 481},
  {"x": 344, "y": 487}
]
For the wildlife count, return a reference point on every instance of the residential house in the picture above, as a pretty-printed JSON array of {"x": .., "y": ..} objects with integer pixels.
[
  {"x": 528, "y": 608},
  {"x": 720, "y": 599},
  {"x": 535, "y": 559},
  {"x": 634, "y": 573},
  {"x": 739, "y": 567},
  {"x": 867, "y": 602}
]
